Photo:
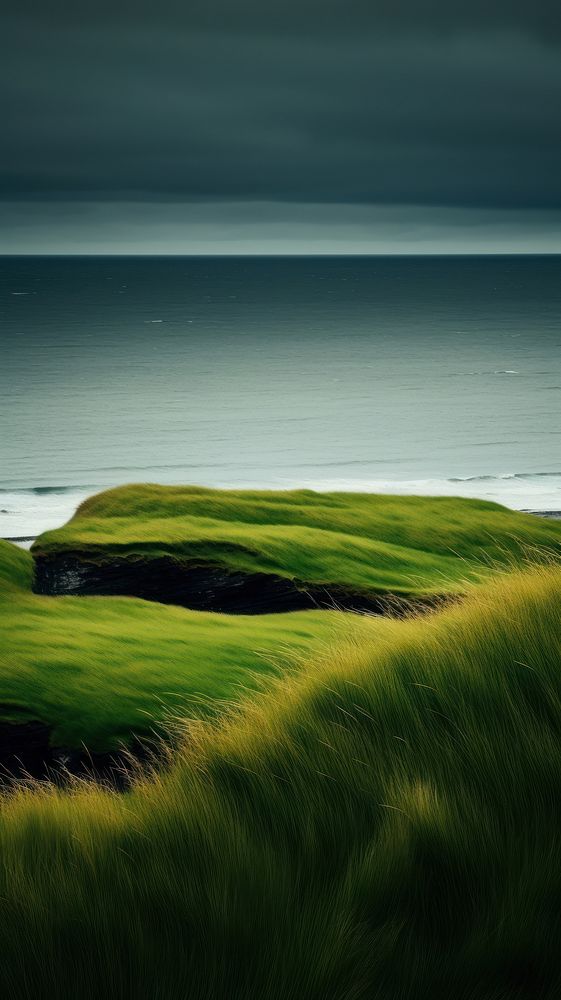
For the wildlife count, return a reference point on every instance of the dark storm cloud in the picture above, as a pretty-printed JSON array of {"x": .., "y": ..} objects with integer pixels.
[
  {"x": 540, "y": 17},
  {"x": 358, "y": 102}
]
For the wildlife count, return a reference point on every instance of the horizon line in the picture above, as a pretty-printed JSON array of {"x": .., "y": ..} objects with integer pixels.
[{"x": 289, "y": 254}]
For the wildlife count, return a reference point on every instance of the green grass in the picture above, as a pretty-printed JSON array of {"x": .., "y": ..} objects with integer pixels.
[
  {"x": 361, "y": 542},
  {"x": 99, "y": 669},
  {"x": 382, "y": 826}
]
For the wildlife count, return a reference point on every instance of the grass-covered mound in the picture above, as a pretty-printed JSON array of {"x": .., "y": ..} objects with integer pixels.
[
  {"x": 99, "y": 669},
  {"x": 354, "y": 545},
  {"x": 385, "y": 825}
]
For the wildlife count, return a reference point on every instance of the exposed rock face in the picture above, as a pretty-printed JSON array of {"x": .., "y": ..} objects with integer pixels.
[
  {"x": 26, "y": 752},
  {"x": 200, "y": 587}
]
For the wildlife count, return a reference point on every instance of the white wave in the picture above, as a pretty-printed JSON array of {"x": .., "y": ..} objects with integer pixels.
[
  {"x": 27, "y": 513},
  {"x": 520, "y": 492}
]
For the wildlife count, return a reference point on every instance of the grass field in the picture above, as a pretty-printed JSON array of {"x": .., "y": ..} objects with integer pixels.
[
  {"x": 382, "y": 825},
  {"x": 364, "y": 543},
  {"x": 372, "y": 814},
  {"x": 98, "y": 669}
]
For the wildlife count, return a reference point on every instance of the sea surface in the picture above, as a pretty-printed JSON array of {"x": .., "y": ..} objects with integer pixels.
[{"x": 395, "y": 374}]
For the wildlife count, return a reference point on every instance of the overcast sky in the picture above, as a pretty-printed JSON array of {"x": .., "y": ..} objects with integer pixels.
[{"x": 241, "y": 125}]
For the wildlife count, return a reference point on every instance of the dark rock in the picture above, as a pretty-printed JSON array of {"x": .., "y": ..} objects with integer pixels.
[
  {"x": 553, "y": 515},
  {"x": 205, "y": 587}
]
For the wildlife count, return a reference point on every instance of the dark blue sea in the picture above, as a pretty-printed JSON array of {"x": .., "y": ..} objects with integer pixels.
[{"x": 396, "y": 374}]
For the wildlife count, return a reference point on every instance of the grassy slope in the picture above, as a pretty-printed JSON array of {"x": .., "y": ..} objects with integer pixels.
[
  {"x": 363, "y": 542},
  {"x": 384, "y": 826},
  {"x": 98, "y": 669}
]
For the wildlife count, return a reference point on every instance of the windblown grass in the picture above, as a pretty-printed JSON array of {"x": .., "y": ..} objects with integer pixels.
[
  {"x": 99, "y": 669},
  {"x": 362, "y": 542},
  {"x": 383, "y": 825}
]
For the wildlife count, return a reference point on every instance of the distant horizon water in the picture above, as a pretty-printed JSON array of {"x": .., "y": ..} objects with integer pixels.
[
  {"x": 275, "y": 255},
  {"x": 406, "y": 374},
  {"x": 269, "y": 227}
]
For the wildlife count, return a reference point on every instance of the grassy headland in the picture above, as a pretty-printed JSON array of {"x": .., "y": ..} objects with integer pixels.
[
  {"x": 379, "y": 821},
  {"x": 382, "y": 825},
  {"x": 361, "y": 544},
  {"x": 99, "y": 669}
]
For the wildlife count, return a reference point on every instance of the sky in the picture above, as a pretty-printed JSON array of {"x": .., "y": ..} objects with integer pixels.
[{"x": 295, "y": 126}]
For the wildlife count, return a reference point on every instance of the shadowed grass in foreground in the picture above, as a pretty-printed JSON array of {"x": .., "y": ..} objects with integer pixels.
[
  {"x": 361, "y": 543},
  {"x": 384, "y": 825},
  {"x": 99, "y": 669}
]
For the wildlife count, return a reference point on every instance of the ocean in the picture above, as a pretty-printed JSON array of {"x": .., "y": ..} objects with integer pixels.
[{"x": 424, "y": 375}]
